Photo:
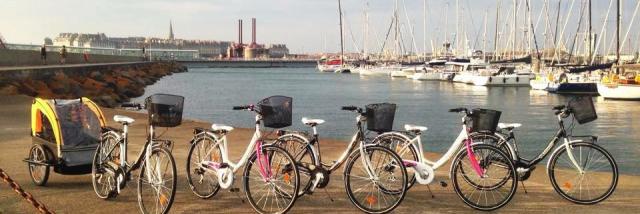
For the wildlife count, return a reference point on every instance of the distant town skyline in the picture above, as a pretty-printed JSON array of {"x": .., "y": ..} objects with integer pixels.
[{"x": 305, "y": 26}]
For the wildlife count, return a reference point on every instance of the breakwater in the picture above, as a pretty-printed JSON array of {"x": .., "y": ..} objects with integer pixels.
[{"x": 107, "y": 84}]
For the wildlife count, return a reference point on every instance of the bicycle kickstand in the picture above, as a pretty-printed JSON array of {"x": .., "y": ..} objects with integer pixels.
[
  {"x": 523, "y": 187},
  {"x": 429, "y": 188},
  {"x": 236, "y": 190}
]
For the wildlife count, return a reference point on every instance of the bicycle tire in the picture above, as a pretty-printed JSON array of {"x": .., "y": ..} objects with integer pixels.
[
  {"x": 457, "y": 164},
  {"x": 296, "y": 184},
  {"x": 553, "y": 162},
  {"x": 298, "y": 157},
  {"x": 203, "y": 194},
  {"x": 354, "y": 158},
  {"x": 162, "y": 197}
]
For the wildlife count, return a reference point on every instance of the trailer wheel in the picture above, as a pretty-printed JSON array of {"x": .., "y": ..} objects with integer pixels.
[{"x": 38, "y": 170}]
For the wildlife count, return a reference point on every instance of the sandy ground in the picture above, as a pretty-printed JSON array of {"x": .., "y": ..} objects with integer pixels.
[{"x": 74, "y": 194}]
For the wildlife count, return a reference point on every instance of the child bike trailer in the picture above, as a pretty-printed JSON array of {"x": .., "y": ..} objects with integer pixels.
[{"x": 65, "y": 135}]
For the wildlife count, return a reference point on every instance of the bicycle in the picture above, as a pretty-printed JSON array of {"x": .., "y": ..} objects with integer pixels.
[
  {"x": 375, "y": 184},
  {"x": 489, "y": 181},
  {"x": 157, "y": 178},
  {"x": 572, "y": 161},
  {"x": 275, "y": 174}
]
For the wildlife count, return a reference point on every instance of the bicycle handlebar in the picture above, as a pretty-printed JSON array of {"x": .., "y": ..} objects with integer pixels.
[
  {"x": 559, "y": 107},
  {"x": 131, "y": 105},
  {"x": 349, "y": 108},
  {"x": 245, "y": 107},
  {"x": 458, "y": 110}
]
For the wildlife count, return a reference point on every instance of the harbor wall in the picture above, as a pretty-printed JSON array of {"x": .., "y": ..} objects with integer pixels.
[
  {"x": 10, "y": 57},
  {"x": 251, "y": 64},
  {"x": 106, "y": 84}
]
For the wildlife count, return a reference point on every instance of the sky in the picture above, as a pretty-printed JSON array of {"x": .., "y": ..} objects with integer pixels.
[{"x": 303, "y": 25}]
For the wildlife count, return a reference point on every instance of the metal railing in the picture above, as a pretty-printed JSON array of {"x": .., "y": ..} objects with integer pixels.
[{"x": 155, "y": 54}]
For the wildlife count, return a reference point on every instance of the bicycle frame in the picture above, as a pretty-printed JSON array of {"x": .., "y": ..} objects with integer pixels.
[
  {"x": 455, "y": 147},
  {"x": 505, "y": 138},
  {"x": 222, "y": 141}
]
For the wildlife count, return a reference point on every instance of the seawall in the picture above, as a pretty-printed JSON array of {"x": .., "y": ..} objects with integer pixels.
[
  {"x": 257, "y": 63},
  {"x": 108, "y": 84},
  {"x": 9, "y": 57}
]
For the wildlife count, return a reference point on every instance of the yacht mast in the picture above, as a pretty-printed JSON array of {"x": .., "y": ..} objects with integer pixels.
[
  {"x": 618, "y": 37},
  {"x": 341, "y": 36},
  {"x": 484, "y": 38},
  {"x": 457, "y": 27},
  {"x": 495, "y": 36},
  {"x": 424, "y": 32}
]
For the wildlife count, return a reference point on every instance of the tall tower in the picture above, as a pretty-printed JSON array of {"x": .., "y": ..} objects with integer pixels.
[{"x": 171, "y": 36}]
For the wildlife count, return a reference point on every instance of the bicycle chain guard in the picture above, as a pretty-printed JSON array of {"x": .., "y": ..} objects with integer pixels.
[{"x": 423, "y": 172}]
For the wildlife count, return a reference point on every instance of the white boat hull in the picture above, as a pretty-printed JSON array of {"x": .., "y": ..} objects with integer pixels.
[
  {"x": 539, "y": 85},
  {"x": 502, "y": 80},
  {"x": 426, "y": 76},
  {"x": 463, "y": 77},
  {"x": 619, "y": 91},
  {"x": 328, "y": 68}
]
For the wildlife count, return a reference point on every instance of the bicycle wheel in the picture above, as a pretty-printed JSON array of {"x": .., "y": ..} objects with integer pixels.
[
  {"x": 303, "y": 156},
  {"x": 398, "y": 143},
  {"x": 595, "y": 184},
  {"x": 381, "y": 195},
  {"x": 493, "y": 140},
  {"x": 203, "y": 183},
  {"x": 272, "y": 182},
  {"x": 39, "y": 173},
  {"x": 489, "y": 191},
  {"x": 157, "y": 182},
  {"x": 103, "y": 171}
]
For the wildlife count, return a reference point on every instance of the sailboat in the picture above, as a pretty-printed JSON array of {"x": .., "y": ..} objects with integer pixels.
[
  {"x": 342, "y": 68},
  {"x": 621, "y": 87}
]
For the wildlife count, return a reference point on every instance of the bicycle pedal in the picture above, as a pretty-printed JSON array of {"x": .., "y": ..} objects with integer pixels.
[{"x": 443, "y": 184}]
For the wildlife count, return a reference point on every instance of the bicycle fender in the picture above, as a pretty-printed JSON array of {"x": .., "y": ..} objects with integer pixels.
[
  {"x": 306, "y": 141},
  {"x": 558, "y": 150}
]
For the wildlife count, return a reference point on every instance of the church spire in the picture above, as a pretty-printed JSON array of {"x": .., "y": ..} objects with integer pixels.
[{"x": 171, "y": 37}]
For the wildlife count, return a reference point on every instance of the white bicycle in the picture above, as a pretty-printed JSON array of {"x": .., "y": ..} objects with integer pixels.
[
  {"x": 482, "y": 175},
  {"x": 157, "y": 179},
  {"x": 270, "y": 178}
]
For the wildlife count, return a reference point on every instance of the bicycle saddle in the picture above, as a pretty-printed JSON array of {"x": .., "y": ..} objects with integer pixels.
[
  {"x": 312, "y": 122},
  {"x": 220, "y": 127},
  {"x": 123, "y": 119},
  {"x": 509, "y": 126},
  {"x": 414, "y": 128}
]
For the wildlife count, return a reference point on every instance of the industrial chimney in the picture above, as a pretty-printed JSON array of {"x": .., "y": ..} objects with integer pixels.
[
  {"x": 253, "y": 31},
  {"x": 239, "y": 31}
]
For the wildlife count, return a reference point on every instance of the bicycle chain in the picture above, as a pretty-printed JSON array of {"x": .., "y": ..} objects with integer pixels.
[{"x": 27, "y": 196}]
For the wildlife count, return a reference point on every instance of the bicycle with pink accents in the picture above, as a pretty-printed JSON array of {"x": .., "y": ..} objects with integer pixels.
[
  {"x": 482, "y": 175},
  {"x": 270, "y": 178}
]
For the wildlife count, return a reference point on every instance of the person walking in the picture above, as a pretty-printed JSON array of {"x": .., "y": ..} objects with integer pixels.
[
  {"x": 63, "y": 55},
  {"x": 43, "y": 54}
]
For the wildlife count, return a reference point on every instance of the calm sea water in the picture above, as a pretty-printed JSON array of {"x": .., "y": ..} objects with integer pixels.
[{"x": 211, "y": 92}]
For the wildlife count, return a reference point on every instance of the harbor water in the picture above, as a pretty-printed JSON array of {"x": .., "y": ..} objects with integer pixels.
[{"x": 210, "y": 94}]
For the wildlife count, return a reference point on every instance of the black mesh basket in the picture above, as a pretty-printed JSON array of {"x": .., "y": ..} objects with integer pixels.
[
  {"x": 485, "y": 120},
  {"x": 276, "y": 111},
  {"x": 380, "y": 116},
  {"x": 583, "y": 109},
  {"x": 165, "y": 110}
]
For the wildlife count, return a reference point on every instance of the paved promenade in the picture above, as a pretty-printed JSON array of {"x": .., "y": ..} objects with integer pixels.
[
  {"x": 58, "y": 66},
  {"x": 74, "y": 194}
]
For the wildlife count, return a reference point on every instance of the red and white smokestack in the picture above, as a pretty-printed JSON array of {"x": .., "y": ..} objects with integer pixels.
[
  {"x": 239, "y": 31},
  {"x": 253, "y": 31}
]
